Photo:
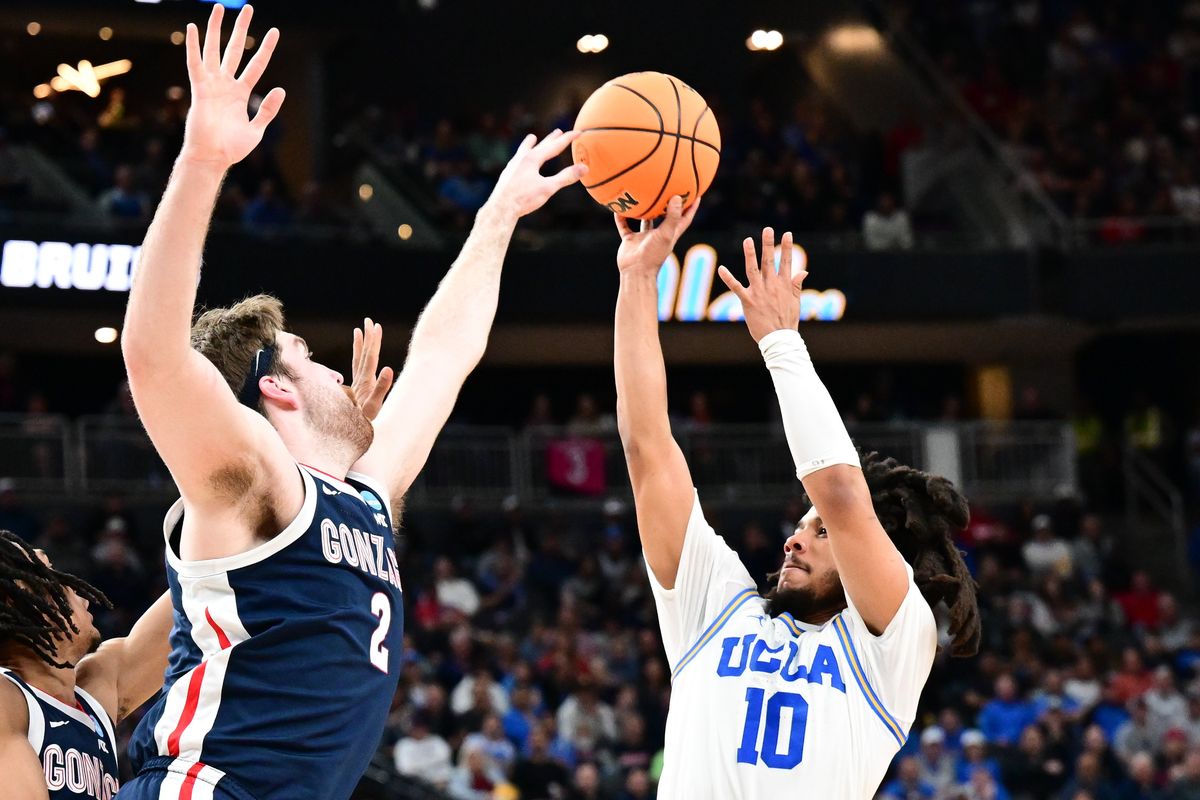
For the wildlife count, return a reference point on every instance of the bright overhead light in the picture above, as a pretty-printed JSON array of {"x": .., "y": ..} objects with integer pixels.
[
  {"x": 42, "y": 91},
  {"x": 405, "y": 231},
  {"x": 106, "y": 335},
  {"x": 764, "y": 40},
  {"x": 365, "y": 192},
  {"x": 174, "y": 92},
  {"x": 592, "y": 43},
  {"x": 147, "y": 1},
  {"x": 177, "y": 37},
  {"x": 86, "y": 78},
  {"x": 33, "y": 28},
  {"x": 855, "y": 39},
  {"x": 105, "y": 33}
]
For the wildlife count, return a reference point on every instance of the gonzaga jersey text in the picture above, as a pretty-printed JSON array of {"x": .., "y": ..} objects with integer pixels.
[
  {"x": 767, "y": 707},
  {"x": 284, "y": 658},
  {"x": 74, "y": 743}
]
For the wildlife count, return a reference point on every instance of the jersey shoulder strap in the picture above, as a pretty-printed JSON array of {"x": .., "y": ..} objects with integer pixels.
[
  {"x": 36, "y": 733},
  {"x": 100, "y": 714}
]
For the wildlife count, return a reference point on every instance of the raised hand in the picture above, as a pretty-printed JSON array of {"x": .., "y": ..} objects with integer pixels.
[
  {"x": 367, "y": 387},
  {"x": 647, "y": 250},
  {"x": 219, "y": 129},
  {"x": 772, "y": 299},
  {"x": 521, "y": 187}
]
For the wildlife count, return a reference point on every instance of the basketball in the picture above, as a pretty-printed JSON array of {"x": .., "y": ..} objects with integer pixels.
[{"x": 646, "y": 137}]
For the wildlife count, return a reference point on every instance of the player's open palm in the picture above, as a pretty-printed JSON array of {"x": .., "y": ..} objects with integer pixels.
[
  {"x": 522, "y": 187},
  {"x": 369, "y": 385},
  {"x": 771, "y": 301},
  {"x": 646, "y": 250},
  {"x": 219, "y": 128}
]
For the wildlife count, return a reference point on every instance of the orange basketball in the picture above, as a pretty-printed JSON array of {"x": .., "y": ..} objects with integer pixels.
[{"x": 646, "y": 137}]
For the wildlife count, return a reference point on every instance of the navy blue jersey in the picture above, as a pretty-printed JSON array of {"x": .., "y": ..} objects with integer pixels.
[
  {"x": 74, "y": 743},
  {"x": 284, "y": 658}
]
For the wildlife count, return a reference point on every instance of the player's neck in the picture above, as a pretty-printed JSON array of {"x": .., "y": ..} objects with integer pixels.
[
  {"x": 312, "y": 450},
  {"x": 57, "y": 682}
]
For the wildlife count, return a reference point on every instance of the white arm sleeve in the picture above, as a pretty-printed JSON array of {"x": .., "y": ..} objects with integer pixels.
[
  {"x": 897, "y": 661},
  {"x": 814, "y": 429},
  {"x": 710, "y": 574}
]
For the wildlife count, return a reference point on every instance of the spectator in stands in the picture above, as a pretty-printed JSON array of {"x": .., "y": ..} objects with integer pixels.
[
  {"x": 887, "y": 227},
  {"x": 266, "y": 211},
  {"x": 1092, "y": 550},
  {"x": 476, "y": 779},
  {"x": 1137, "y": 735},
  {"x": 1004, "y": 718},
  {"x": 1165, "y": 705},
  {"x": 935, "y": 763},
  {"x": 585, "y": 720},
  {"x": 588, "y": 420},
  {"x": 1089, "y": 778},
  {"x": 975, "y": 757},
  {"x": 1141, "y": 601},
  {"x": 463, "y": 191},
  {"x": 423, "y": 754},
  {"x": 1032, "y": 771},
  {"x": 490, "y": 739},
  {"x": 1186, "y": 784},
  {"x": 1142, "y": 783},
  {"x": 455, "y": 594},
  {"x": 151, "y": 174},
  {"x": 637, "y": 786},
  {"x": 124, "y": 200},
  {"x": 908, "y": 784},
  {"x": 537, "y": 775},
  {"x": 586, "y": 785},
  {"x": 1045, "y": 553}
]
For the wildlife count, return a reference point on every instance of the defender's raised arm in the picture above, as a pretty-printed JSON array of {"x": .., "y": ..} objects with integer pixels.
[
  {"x": 452, "y": 333},
  {"x": 216, "y": 449}
]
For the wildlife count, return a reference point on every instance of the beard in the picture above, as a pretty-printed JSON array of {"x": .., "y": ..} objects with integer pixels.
[
  {"x": 813, "y": 603},
  {"x": 335, "y": 415}
]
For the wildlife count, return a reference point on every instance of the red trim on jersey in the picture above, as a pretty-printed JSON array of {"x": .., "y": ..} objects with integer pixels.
[
  {"x": 222, "y": 639},
  {"x": 185, "y": 791},
  {"x": 323, "y": 472},
  {"x": 189, "y": 710}
]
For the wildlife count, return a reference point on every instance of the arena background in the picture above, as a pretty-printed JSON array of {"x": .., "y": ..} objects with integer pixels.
[{"x": 1000, "y": 205}]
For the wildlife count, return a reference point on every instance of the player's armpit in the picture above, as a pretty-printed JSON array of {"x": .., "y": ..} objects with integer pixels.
[
  {"x": 218, "y": 451},
  {"x": 663, "y": 497},
  {"x": 23, "y": 777},
  {"x": 872, "y": 570},
  {"x": 127, "y": 671}
]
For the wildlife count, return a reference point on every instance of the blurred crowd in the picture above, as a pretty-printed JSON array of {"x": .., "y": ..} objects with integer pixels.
[{"x": 1099, "y": 99}]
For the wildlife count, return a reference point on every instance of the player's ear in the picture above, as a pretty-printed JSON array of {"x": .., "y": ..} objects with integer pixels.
[{"x": 280, "y": 393}]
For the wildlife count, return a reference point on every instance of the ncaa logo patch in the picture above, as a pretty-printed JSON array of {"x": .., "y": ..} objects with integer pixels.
[{"x": 371, "y": 500}]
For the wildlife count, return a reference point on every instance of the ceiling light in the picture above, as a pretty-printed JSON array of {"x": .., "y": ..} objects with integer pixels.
[
  {"x": 177, "y": 37},
  {"x": 855, "y": 39},
  {"x": 106, "y": 335},
  {"x": 33, "y": 28},
  {"x": 174, "y": 92},
  {"x": 405, "y": 231},
  {"x": 365, "y": 192},
  {"x": 42, "y": 91},
  {"x": 592, "y": 43},
  {"x": 106, "y": 33},
  {"x": 250, "y": 42}
]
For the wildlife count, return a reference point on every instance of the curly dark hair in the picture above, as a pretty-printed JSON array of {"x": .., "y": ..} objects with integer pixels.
[
  {"x": 921, "y": 513},
  {"x": 34, "y": 608}
]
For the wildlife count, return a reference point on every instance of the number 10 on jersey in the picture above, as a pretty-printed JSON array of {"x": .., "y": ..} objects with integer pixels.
[{"x": 793, "y": 744}]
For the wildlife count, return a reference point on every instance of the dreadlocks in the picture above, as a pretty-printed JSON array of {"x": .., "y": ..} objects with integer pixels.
[
  {"x": 921, "y": 513},
  {"x": 34, "y": 608}
]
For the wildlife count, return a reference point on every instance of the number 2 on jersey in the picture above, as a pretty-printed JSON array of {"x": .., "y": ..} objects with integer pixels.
[
  {"x": 381, "y": 607},
  {"x": 794, "y": 754}
]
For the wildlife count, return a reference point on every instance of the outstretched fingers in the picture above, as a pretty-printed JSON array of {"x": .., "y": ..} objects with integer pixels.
[
  {"x": 212, "y": 37},
  {"x": 733, "y": 283},
  {"x": 268, "y": 108},
  {"x": 237, "y": 41},
  {"x": 258, "y": 64},
  {"x": 767, "y": 267}
]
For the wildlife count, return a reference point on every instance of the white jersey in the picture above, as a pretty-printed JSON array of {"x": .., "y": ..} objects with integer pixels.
[{"x": 766, "y": 708}]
